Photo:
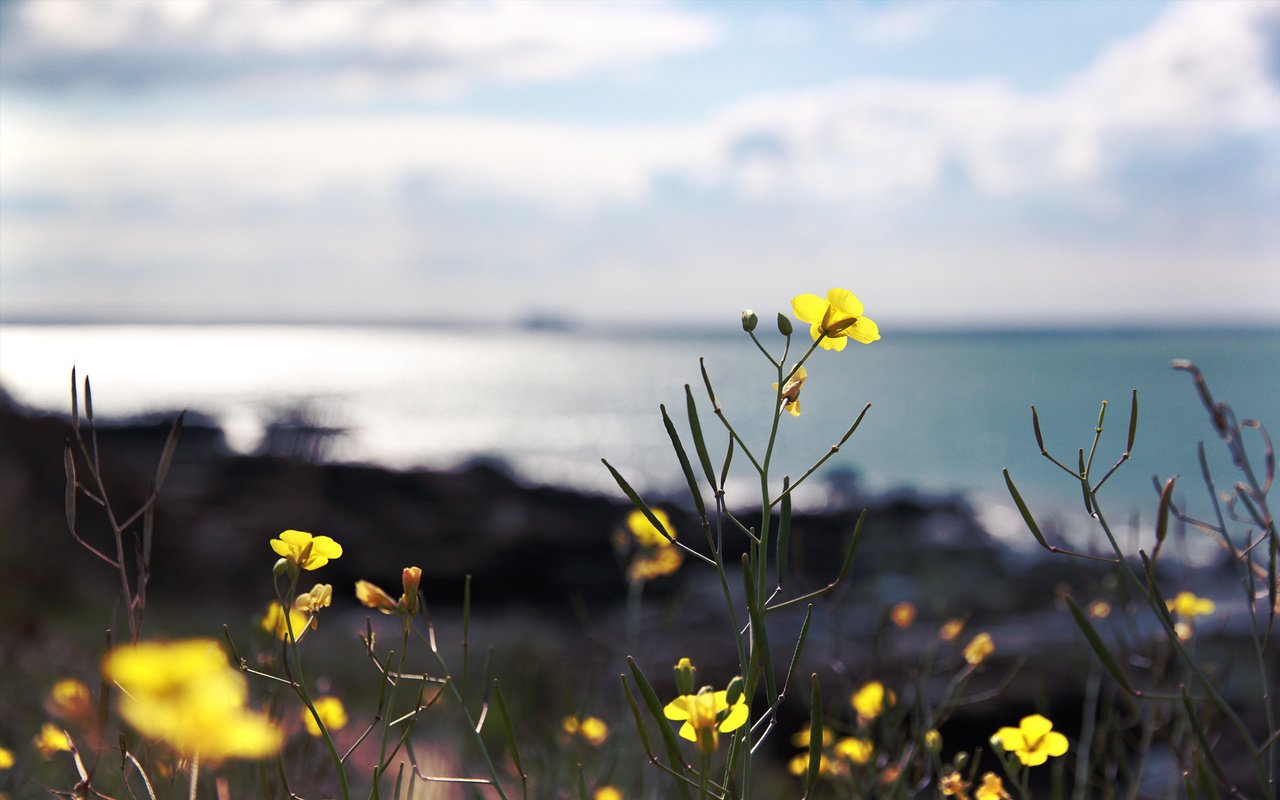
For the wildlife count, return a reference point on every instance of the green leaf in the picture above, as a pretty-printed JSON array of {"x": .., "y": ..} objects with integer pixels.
[
  {"x": 683, "y": 457},
  {"x": 1099, "y": 649}
]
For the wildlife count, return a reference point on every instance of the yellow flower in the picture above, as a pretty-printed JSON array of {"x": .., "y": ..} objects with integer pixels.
[
  {"x": 871, "y": 700},
  {"x": 374, "y": 597},
  {"x": 902, "y": 615},
  {"x": 607, "y": 793},
  {"x": 857, "y": 750},
  {"x": 52, "y": 739},
  {"x": 71, "y": 700},
  {"x": 305, "y": 551},
  {"x": 791, "y": 391},
  {"x": 332, "y": 714},
  {"x": 1188, "y": 605},
  {"x": 992, "y": 788},
  {"x": 186, "y": 695},
  {"x": 645, "y": 533},
  {"x": 979, "y": 648},
  {"x": 6, "y": 758},
  {"x": 704, "y": 714},
  {"x": 953, "y": 784},
  {"x": 592, "y": 729},
  {"x": 1100, "y": 609},
  {"x": 1033, "y": 741},
  {"x": 836, "y": 319},
  {"x": 951, "y": 629},
  {"x": 273, "y": 622}
]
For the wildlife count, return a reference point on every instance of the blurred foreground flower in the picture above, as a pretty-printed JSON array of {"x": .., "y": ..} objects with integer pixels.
[
  {"x": 951, "y": 629},
  {"x": 836, "y": 319},
  {"x": 791, "y": 391},
  {"x": 188, "y": 696},
  {"x": 332, "y": 713},
  {"x": 705, "y": 715},
  {"x": 304, "y": 551},
  {"x": 52, "y": 739},
  {"x": 871, "y": 700},
  {"x": 1033, "y": 741},
  {"x": 6, "y": 758},
  {"x": 607, "y": 793}
]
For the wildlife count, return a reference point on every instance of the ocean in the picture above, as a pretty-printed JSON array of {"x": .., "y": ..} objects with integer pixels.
[{"x": 949, "y": 410}]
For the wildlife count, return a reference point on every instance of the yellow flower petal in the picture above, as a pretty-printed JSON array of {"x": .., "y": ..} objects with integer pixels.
[
  {"x": 809, "y": 308},
  {"x": 844, "y": 301},
  {"x": 332, "y": 713},
  {"x": 374, "y": 597}
]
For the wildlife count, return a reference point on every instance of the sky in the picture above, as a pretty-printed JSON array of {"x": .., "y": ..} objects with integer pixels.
[{"x": 974, "y": 164}]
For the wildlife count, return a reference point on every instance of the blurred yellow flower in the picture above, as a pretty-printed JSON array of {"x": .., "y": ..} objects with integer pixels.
[
  {"x": 320, "y": 596},
  {"x": 188, "y": 696},
  {"x": 1100, "y": 609},
  {"x": 593, "y": 730},
  {"x": 274, "y": 623},
  {"x": 857, "y": 750},
  {"x": 871, "y": 700},
  {"x": 70, "y": 700},
  {"x": 654, "y": 562},
  {"x": 836, "y": 319},
  {"x": 902, "y": 615},
  {"x": 6, "y": 758},
  {"x": 1186, "y": 604},
  {"x": 979, "y": 648},
  {"x": 801, "y": 737},
  {"x": 332, "y": 714},
  {"x": 644, "y": 531},
  {"x": 305, "y": 551},
  {"x": 52, "y": 739},
  {"x": 991, "y": 788},
  {"x": 951, "y": 629},
  {"x": 1033, "y": 741},
  {"x": 1183, "y": 630},
  {"x": 799, "y": 765},
  {"x": 607, "y": 793},
  {"x": 705, "y": 714},
  {"x": 791, "y": 391}
]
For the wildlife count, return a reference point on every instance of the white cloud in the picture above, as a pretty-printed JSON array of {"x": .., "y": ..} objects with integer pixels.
[
  {"x": 897, "y": 23},
  {"x": 328, "y": 46}
]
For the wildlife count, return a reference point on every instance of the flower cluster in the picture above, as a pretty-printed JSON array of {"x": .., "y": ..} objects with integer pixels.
[{"x": 837, "y": 757}]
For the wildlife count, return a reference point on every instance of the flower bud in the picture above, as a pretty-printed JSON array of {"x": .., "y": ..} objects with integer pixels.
[
  {"x": 281, "y": 568},
  {"x": 685, "y": 676},
  {"x": 749, "y": 320},
  {"x": 734, "y": 691},
  {"x": 410, "y": 578},
  {"x": 784, "y": 325}
]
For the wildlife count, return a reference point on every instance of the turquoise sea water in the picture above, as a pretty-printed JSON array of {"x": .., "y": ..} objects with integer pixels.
[{"x": 949, "y": 410}]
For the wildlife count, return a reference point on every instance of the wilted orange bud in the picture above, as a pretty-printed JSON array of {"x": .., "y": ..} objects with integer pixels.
[{"x": 410, "y": 578}]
